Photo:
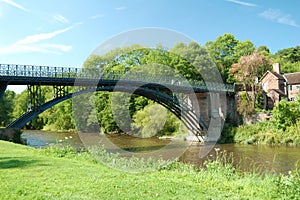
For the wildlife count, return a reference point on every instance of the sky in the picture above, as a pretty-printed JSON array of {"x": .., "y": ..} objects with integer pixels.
[{"x": 64, "y": 33}]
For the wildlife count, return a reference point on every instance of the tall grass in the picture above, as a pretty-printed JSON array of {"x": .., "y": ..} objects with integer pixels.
[
  {"x": 116, "y": 161},
  {"x": 267, "y": 133}
]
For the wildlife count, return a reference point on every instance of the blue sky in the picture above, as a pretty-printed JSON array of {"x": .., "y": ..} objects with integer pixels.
[{"x": 65, "y": 32}]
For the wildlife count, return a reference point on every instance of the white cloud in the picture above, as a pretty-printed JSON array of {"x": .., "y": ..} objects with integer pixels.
[
  {"x": 121, "y": 8},
  {"x": 61, "y": 19},
  {"x": 242, "y": 3},
  {"x": 14, "y": 4},
  {"x": 60, "y": 47},
  {"x": 42, "y": 36},
  {"x": 32, "y": 43},
  {"x": 38, "y": 48},
  {"x": 279, "y": 17}
]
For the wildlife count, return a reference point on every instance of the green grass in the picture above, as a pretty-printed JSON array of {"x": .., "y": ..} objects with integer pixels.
[{"x": 28, "y": 173}]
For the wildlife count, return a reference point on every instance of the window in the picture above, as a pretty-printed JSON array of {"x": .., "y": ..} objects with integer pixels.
[
  {"x": 290, "y": 87},
  {"x": 298, "y": 87},
  {"x": 265, "y": 86}
]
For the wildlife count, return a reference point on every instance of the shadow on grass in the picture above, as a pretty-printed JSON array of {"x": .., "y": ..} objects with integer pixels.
[{"x": 15, "y": 162}]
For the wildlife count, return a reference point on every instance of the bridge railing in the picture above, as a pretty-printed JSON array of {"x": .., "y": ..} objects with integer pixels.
[
  {"x": 96, "y": 73},
  {"x": 38, "y": 71}
]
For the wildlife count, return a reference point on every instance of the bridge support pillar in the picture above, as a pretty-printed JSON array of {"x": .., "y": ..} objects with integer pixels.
[
  {"x": 199, "y": 102},
  {"x": 3, "y": 87},
  {"x": 35, "y": 97},
  {"x": 60, "y": 91},
  {"x": 209, "y": 107},
  {"x": 217, "y": 118}
]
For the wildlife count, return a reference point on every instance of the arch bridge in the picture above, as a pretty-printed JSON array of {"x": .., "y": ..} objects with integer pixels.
[{"x": 176, "y": 96}]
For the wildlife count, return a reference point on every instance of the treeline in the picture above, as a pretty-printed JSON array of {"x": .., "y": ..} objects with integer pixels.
[{"x": 189, "y": 61}]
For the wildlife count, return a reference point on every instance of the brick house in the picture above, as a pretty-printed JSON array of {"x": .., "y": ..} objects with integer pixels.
[{"x": 278, "y": 86}]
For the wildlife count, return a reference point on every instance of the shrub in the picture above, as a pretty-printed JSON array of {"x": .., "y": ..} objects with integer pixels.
[{"x": 286, "y": 114}]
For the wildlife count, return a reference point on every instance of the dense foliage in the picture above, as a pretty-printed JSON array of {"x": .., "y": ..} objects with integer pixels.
[
  {"x": 284, "y": 127},
  {"x": 6, "y": 107}
]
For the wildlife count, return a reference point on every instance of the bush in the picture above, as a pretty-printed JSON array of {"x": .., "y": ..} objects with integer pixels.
[
  {"x": 286, "y": 114},
  {"x": 228, "y": 133}
]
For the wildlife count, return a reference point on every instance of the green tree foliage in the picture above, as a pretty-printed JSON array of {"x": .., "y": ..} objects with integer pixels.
[
  {"x": 142, "y": 63},
  {"x": 21, "y": 106},
  {"x": 225, "y": 51},
  {"x": 59, "y": 117},
  {"x": 286, "y": 114},
  {"x": 289, "y": 59},
  {"x": 244, "y": 48},
  {"x": 155, "y": 120},
  {"x": 264, "y": 50},
  {"x": 289, "y": 67},
  {"x": 6, "y": 107},
  {"x": 192, "y": 61},
  {"x": 289, "y": 54}
]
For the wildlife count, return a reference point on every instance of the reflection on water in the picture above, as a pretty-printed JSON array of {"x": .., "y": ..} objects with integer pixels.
[
  {"x": 259, "y": 158},
  {"x": 45, "y": 138},
  {"x": 262, "y": 158}
]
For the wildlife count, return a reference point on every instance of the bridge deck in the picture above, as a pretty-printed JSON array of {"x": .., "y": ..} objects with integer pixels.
[{"x": 60, "y": 76}]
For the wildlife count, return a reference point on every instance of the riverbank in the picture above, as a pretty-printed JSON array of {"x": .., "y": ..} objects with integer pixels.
[
  {"x": 29, "y": 173},
  {"x": 265, "y": 133}
]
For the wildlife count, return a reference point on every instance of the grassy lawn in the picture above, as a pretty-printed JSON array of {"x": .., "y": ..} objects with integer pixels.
[{"x": 28, "y": 173}]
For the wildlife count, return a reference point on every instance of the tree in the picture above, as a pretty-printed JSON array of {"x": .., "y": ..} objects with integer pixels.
[
  {"x": 248, "y": 71},
  {"x": 222, "y": 52},
  {"x": 141, "y": 63},
  {"x": 192, "y": 61},
  {"x": 243, "y": 49},
  {"x": 155, "y": 120},
  {"x": 289, "y": 54},
  {"x": 227, "y": 50},
  {"x": 264, "y": 50},
  {"x": 21, "y": 102},
  {"x": 289, "y": 59},
  {"x": 6, "y": 107}
]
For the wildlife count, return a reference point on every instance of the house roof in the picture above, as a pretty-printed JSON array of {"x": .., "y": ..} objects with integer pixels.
[
  {"x": 292, "y": 78},
  {"x": 278, "y": 76},
  {"x": 280, "y": 92}
]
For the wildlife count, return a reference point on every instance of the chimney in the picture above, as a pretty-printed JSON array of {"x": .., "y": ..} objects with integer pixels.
[{"x": 276, "y": 68}]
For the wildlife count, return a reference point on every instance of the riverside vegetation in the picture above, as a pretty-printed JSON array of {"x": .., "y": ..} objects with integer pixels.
[
  {"x": 282, "y": 129},
  {"x": 65, "y": 173}
]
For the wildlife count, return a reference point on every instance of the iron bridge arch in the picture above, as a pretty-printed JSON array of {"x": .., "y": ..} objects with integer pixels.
[{"x": 181, "y": 110}]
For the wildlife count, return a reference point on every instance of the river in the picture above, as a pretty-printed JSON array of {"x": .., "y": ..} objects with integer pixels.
[{"x": 261, "y": 158}]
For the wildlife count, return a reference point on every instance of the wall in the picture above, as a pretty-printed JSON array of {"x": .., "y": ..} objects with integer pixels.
[{"x": 294, "y": 93}]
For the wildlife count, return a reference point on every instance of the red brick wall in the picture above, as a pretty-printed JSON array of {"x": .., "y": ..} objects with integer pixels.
[
  {"x": 270, "y": 82},
  {"x": 294, "y": 92}
]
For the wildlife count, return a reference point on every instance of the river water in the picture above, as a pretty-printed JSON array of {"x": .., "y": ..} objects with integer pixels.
[{"x": 259, "y": 158}]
